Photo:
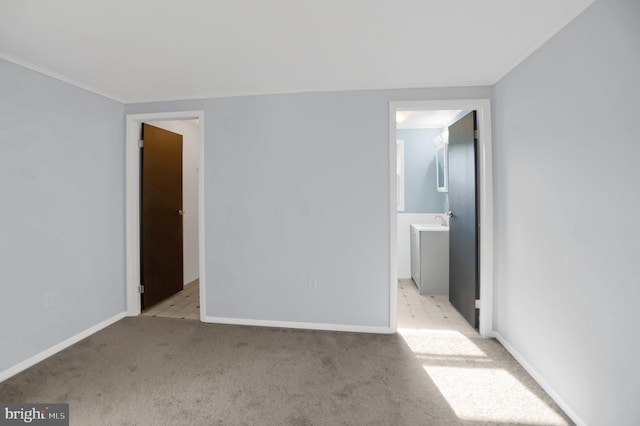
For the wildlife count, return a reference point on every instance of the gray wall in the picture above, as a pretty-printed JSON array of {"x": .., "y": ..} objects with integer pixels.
[
  {"x": 62, "y": 215},
  {"x": 296, "y": 189},
  {"x": 420, "y": 192},
  {"x": 566, "y": 137},
  {"x": 284, "y": 208}
]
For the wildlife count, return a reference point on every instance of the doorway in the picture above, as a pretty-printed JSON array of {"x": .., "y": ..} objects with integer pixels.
[
  {"x": 484, "y": 208},
  {"x": 170, "y": 218},
  {"x": 193, "y": 203},
  {"x": 162, "y": 214}
]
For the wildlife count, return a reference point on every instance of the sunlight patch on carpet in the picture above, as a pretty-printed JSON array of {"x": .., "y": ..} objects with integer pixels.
[
  {"x": 440, "y": 342},
  {"x": 491, "y": 395},
  {"x": 472, "y": 385}
]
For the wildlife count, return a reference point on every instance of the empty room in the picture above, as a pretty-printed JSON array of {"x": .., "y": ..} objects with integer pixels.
[{"x": 319, "y": 212}]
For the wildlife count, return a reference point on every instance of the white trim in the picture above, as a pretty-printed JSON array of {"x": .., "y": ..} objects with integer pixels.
[
  {"x": 30, "y": 362},
  {"x": 239, "y": 94},
  {"x": 132, "y": 153},
  {"x": 485, "y": 207},
  {"x": 47, "y": 72},
  {"x": 444, "y": 165},
  {"x": 393, "y": 223},
  {"x": 298, "y": 90},
  {"x": 538, "y": 378},
  {"x": 400, "y": 174},
  {"x": 298, "y": 325},
  {"x": 560, "y": 23},
  {"x": 201, "y": 221}
]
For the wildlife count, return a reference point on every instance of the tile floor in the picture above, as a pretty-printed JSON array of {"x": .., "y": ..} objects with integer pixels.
[
  {"x": 183, "y": 305},
  {"x": 416, "y": 311}
]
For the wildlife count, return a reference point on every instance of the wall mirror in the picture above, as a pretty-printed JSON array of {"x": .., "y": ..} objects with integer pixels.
[{"x": 442, "y": 168}]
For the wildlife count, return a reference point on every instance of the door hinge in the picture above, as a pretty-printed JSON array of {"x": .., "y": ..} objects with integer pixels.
[
  {"x": 477, "y": 303},
  {"x": 140, "y": 143},
  {"x": 140, "y": 289},
  {"x": 476, "y": 134}
]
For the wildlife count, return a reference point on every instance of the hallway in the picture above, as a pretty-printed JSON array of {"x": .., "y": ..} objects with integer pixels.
[{"x": 183, "y": 305}]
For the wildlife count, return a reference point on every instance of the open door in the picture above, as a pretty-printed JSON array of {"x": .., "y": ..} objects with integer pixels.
[
  {"x": 161, "y": 261},
  {"x": 463, "y": 223}
]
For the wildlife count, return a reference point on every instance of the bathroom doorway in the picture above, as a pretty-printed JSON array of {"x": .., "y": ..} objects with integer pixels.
[{"x": 438, "y": 115}]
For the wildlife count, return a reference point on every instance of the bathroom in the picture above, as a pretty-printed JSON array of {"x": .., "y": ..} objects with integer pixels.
[{"x": 422, "y": 191}]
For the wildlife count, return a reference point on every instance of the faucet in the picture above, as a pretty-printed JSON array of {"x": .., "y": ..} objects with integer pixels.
[{"x": 444, "y": 222}]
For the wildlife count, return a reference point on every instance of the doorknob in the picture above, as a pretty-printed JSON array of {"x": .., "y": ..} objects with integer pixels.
[
  {"x": 181, "y": 212},
  {"x": 449, "y": 213}
]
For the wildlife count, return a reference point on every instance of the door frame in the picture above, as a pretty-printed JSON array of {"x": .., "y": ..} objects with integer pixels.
[
  {"x": 485, "y": 202},
  {"x": 132, "y": 203}
]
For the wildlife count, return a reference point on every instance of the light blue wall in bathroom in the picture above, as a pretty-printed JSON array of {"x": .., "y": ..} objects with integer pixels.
[{"x": 420, "y": 193}]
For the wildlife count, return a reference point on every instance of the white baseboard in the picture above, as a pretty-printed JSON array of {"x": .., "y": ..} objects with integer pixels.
[
  {"x": 12, "y": 371},
  {"x": 538, "y": 378},
  {"x": 301, "y": 325}
]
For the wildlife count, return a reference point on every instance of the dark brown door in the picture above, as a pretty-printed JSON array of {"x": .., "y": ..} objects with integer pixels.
[
  {"x": 463, "y": 224},
  {"x": 161, "y": 215}
]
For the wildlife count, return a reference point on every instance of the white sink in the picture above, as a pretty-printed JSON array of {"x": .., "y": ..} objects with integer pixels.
[{"x": 430, "y": 227}]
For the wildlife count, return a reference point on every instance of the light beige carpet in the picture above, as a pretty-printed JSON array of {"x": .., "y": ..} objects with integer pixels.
[{"x": 162, "y": 371}]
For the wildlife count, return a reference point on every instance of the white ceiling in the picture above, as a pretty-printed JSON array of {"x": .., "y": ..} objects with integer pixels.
[
  {"x": 436, "y": 119},
  {"x": 137, "y": 50}
]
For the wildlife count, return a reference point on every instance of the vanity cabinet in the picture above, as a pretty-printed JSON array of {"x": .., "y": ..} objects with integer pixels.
[{"x": 430, "y": 258}]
